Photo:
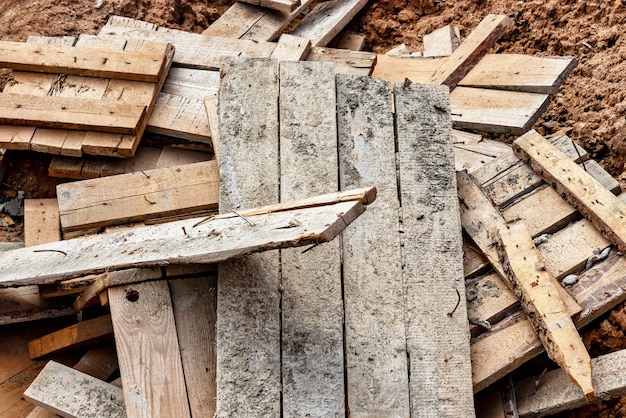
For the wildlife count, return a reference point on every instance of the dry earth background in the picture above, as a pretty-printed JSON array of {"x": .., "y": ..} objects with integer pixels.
[{"x": 591, "y": 105}]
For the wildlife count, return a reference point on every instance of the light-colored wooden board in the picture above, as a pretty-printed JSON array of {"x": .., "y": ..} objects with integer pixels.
[
  {"x": 350, "y": 41},
  {"x": 138, "y": 196},
  {"x": 496, "y": 110},
  {"x": 194, "y": 301},
  {"x": 376, "y": 361},
  {"x": 471, "y": 50},
  {"x": 24, "y": 304},
  {"x": 196, "y": 240},
  {"x": 145, "y": 329},
  {"x": 41, "y": 221},
  {"x": 327, "y": 19},
  {"x": 488, "y": 299},
  {"x": 557, "y": 393},
  {"x": 441, "y": 42},
  {"x": 542, "y": 303},
  {"x": 312, "y": 306},
  {"x": 189, "y": 82},
  {"x": 435, "y": 310},
  {"x": 291, "y": 48},
  {"x": 63, "y": 390},
  {"x": 211, "y": 108},
  {"x": 84, "y": 332},
  {"x": 104, "y": 63},
  {"x": 280, "y": 5},
  {"x": 248, "y": 312},
  {"x": 180, "y": 117},
  {"x": 346, "y": 62},
  {"x": 602, "y": 208},
  {"x": 520, "y": 73},
  {"x": 195, "y": 50},
  {"x": 398, "y": 69}
]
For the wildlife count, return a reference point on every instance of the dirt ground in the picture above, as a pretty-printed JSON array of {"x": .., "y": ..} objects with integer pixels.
[{"x": 591, "y": 105}]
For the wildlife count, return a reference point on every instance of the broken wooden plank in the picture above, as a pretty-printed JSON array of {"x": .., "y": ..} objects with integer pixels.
[
  {"x": 346, "y": 62},
  {"x": 496, "y": 110},
  {"x": 471, "y": 50},
  {"x": 545, "y": 308},
  {"x": 41, "y": 221},
  {"x": 327, "y": 20},
  {"x": 280, "y": 5},
  {"x": 311, "y": 282},
  {"x": 85, "y": 332},
  {"x": 557, "y": 393},
  {"x": 194, "y": 302},
  {"x": 520, "y": 73},
  {"x": 291, "y": 48},
  {"x": 138, "y": 196},
  {"x": 145, "y": 328},
  {"x": 440, "y": 364},
  {"x": 599, "y": 205},
  {"x": 372, "y": 264},
  {"x": 442, "y": 42},
  {"x": 90, "y": 62},
  {"x": 248, "y": 312}
]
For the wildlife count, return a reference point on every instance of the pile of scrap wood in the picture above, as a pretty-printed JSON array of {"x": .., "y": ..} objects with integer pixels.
[{"x": 201, "y": 161}]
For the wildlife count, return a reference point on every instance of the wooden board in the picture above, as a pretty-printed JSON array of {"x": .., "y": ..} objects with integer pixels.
[
  {"x": 91, "y": 62},
  {"x": 180, "y": 117},
  {"x": 398, "y": 69},
  {"x": 63, "y": 390},
  {"x": 327, "y": 20},
  {"x": 145, "y": 329},
  {"x": 346, "y": 62},
  {"x": 189, "y": 82},
  {"x": 197, "y": 240},
  {"x": 435, "y": 310},
  {"x": 281, "y": 5},
  {"x": 441, "y": 42},
  {"x": 41, "y": 221},
  {"x": 82, "y": 333},
  {"x": 471, "y": 50},
  {"x": 372, "y": 264},
  {"x": 496, "y": 110},
  {"x": 312, "y": 306},
  {"x": 291, "y": 48},
  {"x": 248, "y": 312},
  {"x": 138, "y": 196},
  {"x": 520, "y": 73},
  {"x": 599, "y": 205},
  {"x": 24, "y": 304}
]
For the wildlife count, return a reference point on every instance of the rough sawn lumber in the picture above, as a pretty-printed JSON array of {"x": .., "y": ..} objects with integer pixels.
[{"x": 281, "y": 5}]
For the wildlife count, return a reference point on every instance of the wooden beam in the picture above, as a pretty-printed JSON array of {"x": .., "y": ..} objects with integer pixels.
[
  {"x": 280, "y": 5},
  {"x": 291, "y": 48},
  {"x": 597, "y": 204},
  {"x": 41, "y": 221},
  {"x": 471, "y": 50},
  {"x": 138, "y": 196},
  {"x": 435, "y": 309},
  {"x": 91, "y": 62},
  {"x": 441, "y": 42},
  {"x": 372, "y": 264},
  {"x": 197, "y": 240},
  {"x": 545, "y": 308},
  {"x": 84, "y": 332}
]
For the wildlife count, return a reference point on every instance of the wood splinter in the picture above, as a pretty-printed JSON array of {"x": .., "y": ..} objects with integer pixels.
[{"x": 543, "y": 305}]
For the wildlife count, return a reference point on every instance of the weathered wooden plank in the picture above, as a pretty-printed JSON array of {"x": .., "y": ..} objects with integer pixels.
[
  {"x": 248, "y": 312},
  {"x": 189, "y": 82},
  {"x": 346, "y": 62},
  {"x": 211, "y": 107},
  {"x": 64, "y": 391},
  {"x": 520, "y": 73},
  {"x": 327, "y": 20},
  {"x": 12, "y": 402},
  {"x": 489, "y": 300},
  {"x": 25, "y": 304},
  {"x": 145, "y": 329},
  {"x": 138, "y": 196},
  {"x": 41, "y": 221},
  {"x": 350, "y": 41},
  {"x": 436, "y": 319},
  {"x": 543, "y": 305},
  {"x": 180, "y": 117},
  {"x": 312, "y": 306},
  {"x": 194, "y": 50},
  {"x": 496, "y": 110},
  {"x": 441, "y": 42},
  {"x": 557, "y": 393},
  {"x": 376, "y": 362},
  {"x": 599, "y": 205},
  {"x": 194, "y": 301},
  {"x": 280, "y": 5},
  {"x": 91, "y": 62},
  {"x": 196, "y": 240},
  {"x": 291, "y": 48},
  {"x": 471, "y": 50},
  {"x": 398, "y": 69}
]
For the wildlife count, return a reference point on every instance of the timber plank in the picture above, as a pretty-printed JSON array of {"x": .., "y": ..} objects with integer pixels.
[
  {"x": 372, "y": 264},
  {"x": 189, "y": 82},
  {"x": 180, "y": 117},
  {"x": 437, "y": 325},
  {"x": 196, "y": 240},
  {"x": 312, "y": 306},
  {"x": 91, "y": 62},
  {"x": 280, "y": 5},
  {"x": 145, "y": 329},
  {"x": 543, "y": 305},
  {"x": 12, "y": 402},
  {"x": 520, "y": 73},
  {"x": 248, "y": 312},
  {"x": 441, "y": 42},
  {"x": 291, "y": 48},
  {"x": 41, "y": 221},
  {"x": 398, "y": 69},
  {"x": 327, "y": 20},
  {"x": 138, "y": 196},
  {"x": 346, "y": 62},
  {"x": 599, "y": 205},
  {"x": 471, "y": 50}
]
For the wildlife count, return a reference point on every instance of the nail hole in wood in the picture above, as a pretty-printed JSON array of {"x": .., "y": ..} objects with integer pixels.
[{"x": 132, "y": 295}]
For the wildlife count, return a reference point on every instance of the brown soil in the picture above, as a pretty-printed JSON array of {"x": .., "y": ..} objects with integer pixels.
[{"x": 591, "y": 104}]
